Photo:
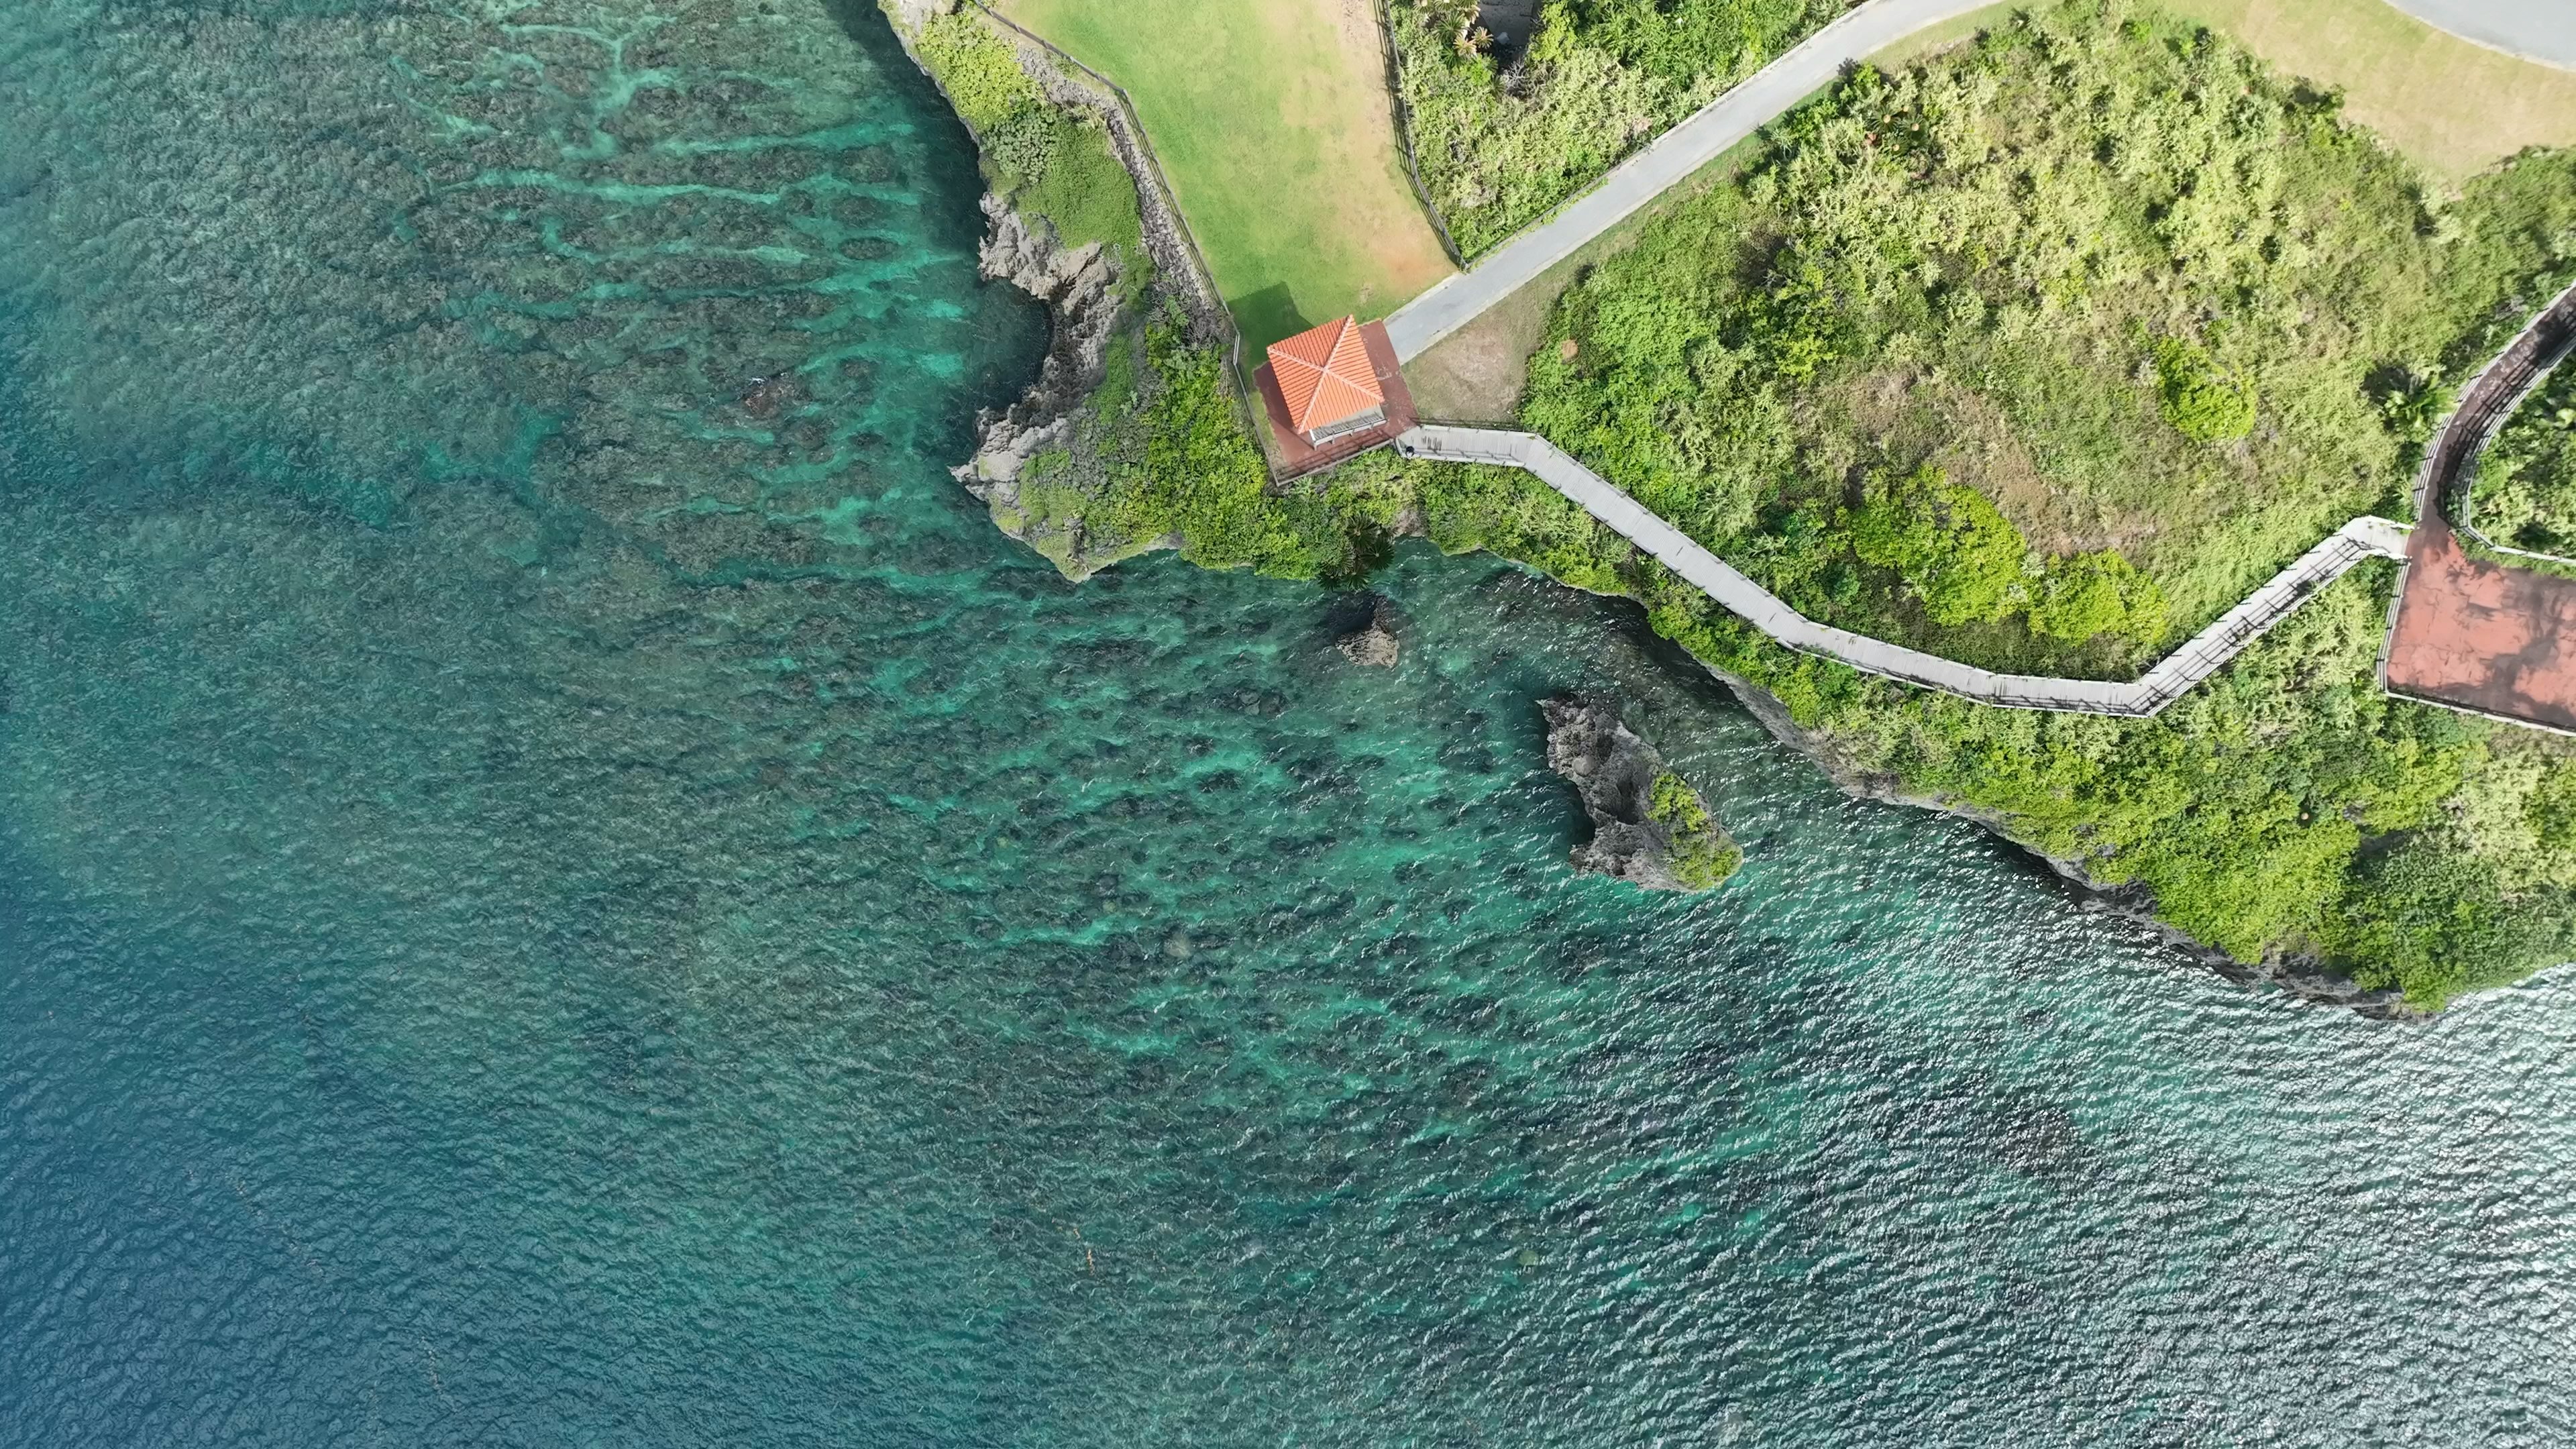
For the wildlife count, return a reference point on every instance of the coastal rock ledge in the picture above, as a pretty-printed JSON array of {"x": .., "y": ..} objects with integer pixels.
[
  {"x": 1649, "y": 827},
  {"x": 1374, "y": 644},
  {"x": 1079, "y": 286}
]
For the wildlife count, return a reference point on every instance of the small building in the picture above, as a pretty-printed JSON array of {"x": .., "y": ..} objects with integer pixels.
[{"x": 1333, "y": 392}]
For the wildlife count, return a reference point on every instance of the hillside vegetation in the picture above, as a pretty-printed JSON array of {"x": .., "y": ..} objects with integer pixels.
[
  {"x": 2027, "y": 354},
  {"x": 1501, "y": 140},
  {"x": 2043, "y": 353}
]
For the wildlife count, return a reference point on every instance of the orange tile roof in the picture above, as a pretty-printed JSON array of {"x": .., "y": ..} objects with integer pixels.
[{"x": 1325, "y": 375}]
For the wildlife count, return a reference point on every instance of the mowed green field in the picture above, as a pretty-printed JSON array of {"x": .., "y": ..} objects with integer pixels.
[{"x": 1273, "y": 124}]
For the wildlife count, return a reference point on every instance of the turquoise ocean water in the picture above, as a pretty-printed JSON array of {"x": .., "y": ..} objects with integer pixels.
[{"x": 560, "y": 886}]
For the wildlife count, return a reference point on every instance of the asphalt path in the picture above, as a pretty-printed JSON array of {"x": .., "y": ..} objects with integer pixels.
[{"x": 1669, "y": 159}]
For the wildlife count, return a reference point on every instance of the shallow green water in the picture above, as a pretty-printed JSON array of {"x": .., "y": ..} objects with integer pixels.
[{"x": 542, "y": 902}]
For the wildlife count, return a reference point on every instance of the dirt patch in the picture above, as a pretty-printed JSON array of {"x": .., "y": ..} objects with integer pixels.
[
  {"x": 2452, "y": 105},
  {"x": 1908, "y": 416},
  {"x": 1475, "y": 374}
]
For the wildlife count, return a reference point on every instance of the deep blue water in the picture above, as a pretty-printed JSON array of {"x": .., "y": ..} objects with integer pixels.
[{"x": 555, "y": 891}]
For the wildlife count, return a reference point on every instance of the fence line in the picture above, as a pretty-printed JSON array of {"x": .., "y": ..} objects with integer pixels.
[
  {"x": 2198, "y": 658},
  {"x": 2491, "y": 398},
  {"x": 1202, "y": 276},
  {"x": 1404, "y": 134}
]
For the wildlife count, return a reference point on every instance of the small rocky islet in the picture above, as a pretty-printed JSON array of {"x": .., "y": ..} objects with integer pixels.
[{"x": 1649, "y": 826}]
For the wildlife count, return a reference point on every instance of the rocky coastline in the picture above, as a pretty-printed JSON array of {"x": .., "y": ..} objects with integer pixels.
[
  {"x": 2307, "y": 979},
  {"x": 1080, "y": 288}
]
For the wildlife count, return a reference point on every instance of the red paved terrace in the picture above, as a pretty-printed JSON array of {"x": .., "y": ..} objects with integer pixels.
[
  {"x": 2501, "y": 641},
  {"x": 1333, "y": 392}
]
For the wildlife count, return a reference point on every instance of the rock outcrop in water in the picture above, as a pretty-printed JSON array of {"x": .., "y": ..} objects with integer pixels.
[
  {"x": 1373, "y": 644},
  {"x": 1649, "y": 827}
]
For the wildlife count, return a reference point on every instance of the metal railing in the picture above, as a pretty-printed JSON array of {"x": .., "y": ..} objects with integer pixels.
[
  {"x": 2486, "y": 404},
  {"x": 2491, "y": 397},
  {"x": 1404, "y": 133}
]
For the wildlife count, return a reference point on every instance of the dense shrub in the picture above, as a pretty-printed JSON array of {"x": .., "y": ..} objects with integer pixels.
[
  {"x": 2203, "y": 403},
  {"x": 1046, "y": 161},
  {"x": 1703, "y": 854},
  {"x": 2526, "y": 480},
  {"x": 1161, "y": 453},
  {"x": 1955, "y": 550},
  {"x": 1946, "y": 274},
  {"x": 2094, "y": 594},
  {"x": 1499, "y": 145}
]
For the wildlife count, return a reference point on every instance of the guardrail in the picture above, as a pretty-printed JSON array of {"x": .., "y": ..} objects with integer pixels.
[
  {"x": 2199, "y": 657},
  {"x": 2493, "y": 396},
  {"x": 1404, "y": 133}
]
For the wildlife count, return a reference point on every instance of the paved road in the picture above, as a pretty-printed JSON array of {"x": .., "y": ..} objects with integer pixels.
[
  {"x": 2195, "y": 661},
  {"x": 1669, "y": 159},
  {"x": 2541, "y": 30}
]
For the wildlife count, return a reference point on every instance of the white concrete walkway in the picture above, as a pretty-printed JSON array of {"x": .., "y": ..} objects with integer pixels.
[
  {"x": 2541, "y": 30},
  {"x": 1669, "y": 159},
  {"x": 2195, "y": 661}
]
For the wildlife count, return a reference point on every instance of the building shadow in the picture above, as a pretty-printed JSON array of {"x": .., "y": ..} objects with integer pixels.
[{"x": 1267, "y": 316}]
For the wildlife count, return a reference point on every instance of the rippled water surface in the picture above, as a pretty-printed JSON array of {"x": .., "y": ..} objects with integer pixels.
[{"x": 558, "y": 885}]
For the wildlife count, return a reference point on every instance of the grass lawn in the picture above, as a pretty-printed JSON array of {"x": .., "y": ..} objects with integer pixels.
[
  {"x": 2453, "y": 107},
  {"x": 1273, "y": 126}
]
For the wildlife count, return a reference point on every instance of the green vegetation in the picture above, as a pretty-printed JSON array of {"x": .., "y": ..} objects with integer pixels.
[
  {"x": 1274, "y": 128},
  {"x": 1703, "y": 854},
  {"x": 1500, "y": 145},
  {"x": 1906, "y": 370},
  {"x": 2146, "y": 299},
  {"x": 2526, "y": 479},
  {"x": 1044, "y": 160},
  {"x": 2114, "y": 288},
  {"x": 2204, "y": 403},
  {"x": 1161, "y": 453},
  {"x": 1955, "y": 551}
]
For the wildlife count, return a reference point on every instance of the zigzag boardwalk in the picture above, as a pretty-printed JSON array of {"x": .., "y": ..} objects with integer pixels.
[
  {"x": 2195, "y": 661},
  {"x": 2468, "y": 632}
]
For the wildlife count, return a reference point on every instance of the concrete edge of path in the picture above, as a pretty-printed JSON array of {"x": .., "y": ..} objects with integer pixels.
[{"x": 2542, "y": 32}]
